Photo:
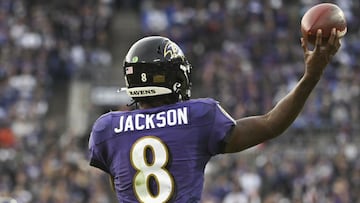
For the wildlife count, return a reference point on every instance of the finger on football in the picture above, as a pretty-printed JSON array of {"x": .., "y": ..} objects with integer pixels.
[
  {"x": 333, "y": 36},
  {"x": 318, "y": 41},
  {"x": 304, "y": 44}
]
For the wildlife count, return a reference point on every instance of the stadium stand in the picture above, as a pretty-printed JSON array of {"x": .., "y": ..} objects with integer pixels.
[{"x": 245, "y": 53}]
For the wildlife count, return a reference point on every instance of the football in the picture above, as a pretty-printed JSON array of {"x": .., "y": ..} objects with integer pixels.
[{"x": 324, "y": 16}]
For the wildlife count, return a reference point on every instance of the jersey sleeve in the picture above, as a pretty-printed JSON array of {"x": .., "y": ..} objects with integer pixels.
[
  {"x": 96, "y": 160},
  {"x": 222, "y": 125},
  {"x": 97, "y": 137}
]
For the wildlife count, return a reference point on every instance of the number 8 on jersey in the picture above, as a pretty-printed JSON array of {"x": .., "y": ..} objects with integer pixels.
[{"x": 156, "y": 169}]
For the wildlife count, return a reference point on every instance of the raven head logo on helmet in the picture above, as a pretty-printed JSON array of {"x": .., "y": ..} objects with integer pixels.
[
  {"x": 172, "y": 50},
  {"x": 157, "y": 66}
]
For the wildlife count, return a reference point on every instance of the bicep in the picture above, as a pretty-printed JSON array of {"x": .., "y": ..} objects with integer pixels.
[{"x": 248, "y": 132}]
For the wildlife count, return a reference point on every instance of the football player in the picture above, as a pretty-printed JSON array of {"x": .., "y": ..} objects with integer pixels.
[{"x": 158, "y": 152}]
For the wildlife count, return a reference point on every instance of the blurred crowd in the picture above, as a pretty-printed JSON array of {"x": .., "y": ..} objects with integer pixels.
[
  {"x": 44, "y": 44},
  {"x": 245, "y": 54}
]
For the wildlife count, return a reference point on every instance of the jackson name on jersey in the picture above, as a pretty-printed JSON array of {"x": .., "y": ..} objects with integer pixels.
[{"x": 140, "y": 121}]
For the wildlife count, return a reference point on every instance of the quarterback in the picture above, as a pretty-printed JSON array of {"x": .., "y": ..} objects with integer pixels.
[{"x": 158, "y": 152}]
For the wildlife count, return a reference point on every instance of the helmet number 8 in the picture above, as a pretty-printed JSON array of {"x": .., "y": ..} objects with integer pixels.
[
  {"x": 143, "y": 77},
  {"x": 156, "y": 170}
]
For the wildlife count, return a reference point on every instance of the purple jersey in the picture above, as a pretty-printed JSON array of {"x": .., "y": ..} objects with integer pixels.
[{"x": 159, "y": 154}]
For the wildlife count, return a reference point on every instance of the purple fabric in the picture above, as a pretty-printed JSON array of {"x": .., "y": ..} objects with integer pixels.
[{"x": 191, "y": 131}]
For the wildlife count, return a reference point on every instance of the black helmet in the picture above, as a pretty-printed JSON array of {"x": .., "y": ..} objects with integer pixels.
[{"x": 156, "y": 66}]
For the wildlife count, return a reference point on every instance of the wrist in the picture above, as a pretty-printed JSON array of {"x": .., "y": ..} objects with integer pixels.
[{"x": 312, "y": 78}]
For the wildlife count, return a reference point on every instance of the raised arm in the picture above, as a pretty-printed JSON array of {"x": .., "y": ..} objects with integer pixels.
[{"x": 250, "y": 131}]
